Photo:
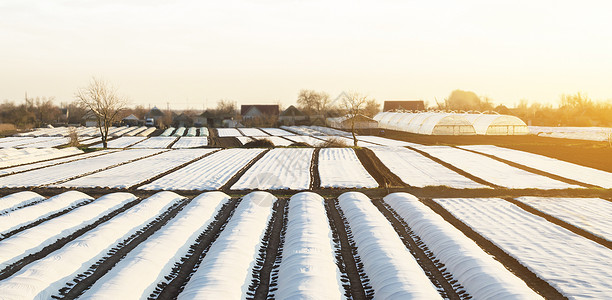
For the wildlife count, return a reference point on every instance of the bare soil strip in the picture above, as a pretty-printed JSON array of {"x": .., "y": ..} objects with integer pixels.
[
  {"x": 226, "y": 187},
  {"x": 183, "y": 272},
  {"x": 532, "y": 280},
  {"x": 18, "y": 265},
  {"x": 535, "y": 171},
  {"x": 315, "y": 178},
  {"x": 279, "y": 255},
  {"x": 85, "y": 280},
  {"x": 570, "y": 227},
  {"x": 272, "y": 250},
  {"x": 426, "y": 259},
  {"x": 39, "y": 221},
  {"x": 158, "y": 176},
  {"x": 377, "y": 169},
  {"x": 173, "y": 142},
  {"x": 464, "y": 173},
  {"x": 348, "y": 251}
]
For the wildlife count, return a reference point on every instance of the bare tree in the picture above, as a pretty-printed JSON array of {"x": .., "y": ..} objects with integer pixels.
[
  {"x": 102, "y": 100},
  {"x": 353, "y": 103},
  {"x": 312, "y": 102},
  {"x": 371, "y": 108}
]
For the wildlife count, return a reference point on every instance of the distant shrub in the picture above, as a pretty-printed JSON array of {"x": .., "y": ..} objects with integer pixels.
[
  {"x": 73, "y": 136},
  {"x": 259, "y": 143},
  {"x": 299, "y": 144},
  {"x": 333, "y": 143},
  {"x": 6, "y": 128}
]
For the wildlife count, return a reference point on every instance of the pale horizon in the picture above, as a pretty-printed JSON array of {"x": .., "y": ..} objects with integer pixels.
[{"x": 193, "y": 54}]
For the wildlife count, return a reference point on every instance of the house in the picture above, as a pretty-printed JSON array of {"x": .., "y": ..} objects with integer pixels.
[
  {"x": 90, "y": 119},
  {"x": 345, "y": 122},
  {"x": 416, "y": 105},
  {"x": 182, "y": 120},
  {"x": 156, "y": 114},
  {"x": 292, "y": 116},
  {"x": 259, "y": 115},
  {"x": 130, "y": 120}
]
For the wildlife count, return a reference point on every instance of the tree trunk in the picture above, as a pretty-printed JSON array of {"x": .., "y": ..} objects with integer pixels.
[{"x": 353, "y": 132}]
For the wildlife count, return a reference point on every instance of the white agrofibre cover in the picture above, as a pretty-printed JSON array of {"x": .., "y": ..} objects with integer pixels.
[
  {"x": 13, "y": 201},
  {"x": 18, "y": 218},
  {"x": 377, "y": 241},
  {"x": 56, "y": 161},
  {"x": 58, "y": 173},
  {"x": 208, "y": 173},
  {"x": 43, "y": 278},
  {"x": 226, "y": 270},
  {"x": 547, "y": 164},
  {"x": 340, "y": 168},
  {"x": 228, "y": 132},
  {"x": 122, "y": 142},
  {"x": 280, "y": 168},
  {"x": 578, "y": 267},
  {"x": 130, "y": 174},
  {"x": 136, "y": 276},
  {"x": 36, "y": 238},
  {"x": 417, "y": 170},
  {"x": 308, "y": 268},
  {"x": 13, "y": 157},
  {"x": 482, "y": 276},
  {"x": 190, "y": 142},
  {"x": 156, "y": 142},
  {"x": 494, "y": 171},
  {"x": 590, "y": 214}
]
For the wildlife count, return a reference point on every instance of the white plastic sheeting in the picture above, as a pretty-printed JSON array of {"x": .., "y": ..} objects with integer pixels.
[
  {"x": 340, "y": 168},
  {"x": 547, "y": 164},
  {"x": 156, "y": 142},
  {"x": 16, "y": 200},
  {"x": 400, "y": 277},
  {"x": 122, "y": 142},
  {"x": 590, "y": 214},
  {"x": 190, "y": 142},
  {"x": 227, "y": 269},
  {"x": 136, "y": 276},
  {"x": 43, "y": 278},
  {"x": 481, "y": 275},
  {"x": 576, "y": 266},
  {"x": 308, "y": 267},
  {"x": 12, "y": 157}
]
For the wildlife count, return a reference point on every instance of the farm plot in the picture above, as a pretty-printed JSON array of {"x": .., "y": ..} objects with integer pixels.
[
  {"x": 147, "y": 132},
  {"x": 417, "y": 170},
  {"x": 47, "y": 142},
  {"x": 156, "y": 142},
  {"x": 13, "y": 157},
  {"x": 59, "y": 173},
  {"x": 130, "y": 174},
  {"x": 56, "y": 161},
  {"x": 590, "y": 214},
  {"x": 138, "y": 274},
  {"x": 208, "y": 173},
  {"x": 45, "y": 277},
  {"x": 493, "y": 171},
  {"x": 10, "y": 142},
  {"x": 481, "y": 275},
  {"x": 281, "y": 168},
  {"x": 135, "y": 131},
  {"x": 577, "y": 267},
  {"x": 376, "y": 242},
  {"x": 304, "y": 139},
  {"x": 18, "y": 200},
  {"x": 547, "y": 164},
  {"x": 252, "y": 132},
  {"x": 122, "y": 142},
  {"x": 384, "y": 141},
  {"x": 243, "y": 139},
  {"x": 277, "y": 131},
  {"x": 228, "y": 132},
  {"x": 190, "y": 142},
  {"x": 29, "y": 142},
  {"x": 18, "y": 218},
  {"x": 340, "y": 168},
  {"x": 308, "y": 267},
  {"x": 226, "y": 272},
  {"x": 35, "y": 239}
]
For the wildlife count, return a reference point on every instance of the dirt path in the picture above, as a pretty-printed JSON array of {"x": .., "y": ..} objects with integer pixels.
[
  {"x": 315, "y": 177},
  {"x": 383, "y": 176}
]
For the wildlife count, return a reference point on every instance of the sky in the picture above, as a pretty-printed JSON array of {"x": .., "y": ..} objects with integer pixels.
[{"x": 189, "y": 54}]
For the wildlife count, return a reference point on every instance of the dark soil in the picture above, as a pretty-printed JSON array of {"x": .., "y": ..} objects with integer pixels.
[
  {"x": 315, "y": 178},
  {"x": 241, "y": 172},
  {"x": 383, "y": 176},
  {"x": 259, "y": 143}
]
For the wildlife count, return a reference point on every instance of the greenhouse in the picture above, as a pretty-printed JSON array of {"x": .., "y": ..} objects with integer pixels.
[{"x": 443, "y": 123}]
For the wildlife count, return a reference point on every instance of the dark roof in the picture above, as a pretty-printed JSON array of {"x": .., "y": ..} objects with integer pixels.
[
  {"x": 266, "y": 109},
  {"x": 404, "y": 105},
  {"x": 292, "y": 111},
  {"x": 155, "y": 112}
]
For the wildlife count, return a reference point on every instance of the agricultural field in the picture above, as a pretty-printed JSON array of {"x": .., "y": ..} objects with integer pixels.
[{"x": 184, "y": 215}]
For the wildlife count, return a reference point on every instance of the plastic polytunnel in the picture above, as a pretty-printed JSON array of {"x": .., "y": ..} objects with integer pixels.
[{"x": 494, "y": 124}]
